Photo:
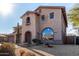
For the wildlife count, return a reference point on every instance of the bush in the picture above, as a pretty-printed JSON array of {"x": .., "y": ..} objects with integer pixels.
[
  {"x": 37, "y": 41},
  {"x": 7, "y": 48}
]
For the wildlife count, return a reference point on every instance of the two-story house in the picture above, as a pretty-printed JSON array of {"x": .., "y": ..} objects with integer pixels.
[{"x": 45, "y": 22}]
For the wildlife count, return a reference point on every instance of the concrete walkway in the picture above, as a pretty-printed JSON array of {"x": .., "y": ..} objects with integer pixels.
[
  {"x": 59, "y": 50},
  {"x": 24, "y": 52},
  {"x": 42, "y": 53}
]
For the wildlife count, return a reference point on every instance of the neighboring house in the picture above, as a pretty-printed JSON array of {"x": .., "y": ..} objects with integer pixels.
[
  {"x": 7, "y": 38},
  {"x": 36, "y": 24},
  {"x": 3, "y": 38},
  {"x": 10, "y": 38},
  {"x": 17, "y": 33}
]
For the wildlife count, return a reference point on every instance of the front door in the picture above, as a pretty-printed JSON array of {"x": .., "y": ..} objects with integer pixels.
[{"x": 28, "y": 37}]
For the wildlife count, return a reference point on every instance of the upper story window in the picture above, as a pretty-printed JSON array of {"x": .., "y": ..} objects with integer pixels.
[
  {"x": 28, "y": 21},
  {"x": 39, "y": 10},
  {"x": 43, "y": 17},
  {"x": 51, "y": 15}
]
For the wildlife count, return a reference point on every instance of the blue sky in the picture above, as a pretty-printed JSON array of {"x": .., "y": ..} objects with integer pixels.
[{"x": 8, "y": 22}]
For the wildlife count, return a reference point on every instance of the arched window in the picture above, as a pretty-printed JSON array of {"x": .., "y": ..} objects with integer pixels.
[
  {"x": 28, "y": 20},
  {"x": 48, "y": 33},
  {"x": 43, "y": 17}
]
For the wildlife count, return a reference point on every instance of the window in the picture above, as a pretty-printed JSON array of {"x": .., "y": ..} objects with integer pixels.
[
  {"x": 28, "y": 20},
  {"x": 52, "y": 15},
  {"x": 43, "y": 17}
]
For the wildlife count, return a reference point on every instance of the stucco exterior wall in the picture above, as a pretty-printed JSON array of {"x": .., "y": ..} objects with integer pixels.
[
  {"x": 55, "y": 23},
  {"x": 31, "y": 27},
  {"x": 63, "y": 28},
  {"x": 37, "y": 24}
]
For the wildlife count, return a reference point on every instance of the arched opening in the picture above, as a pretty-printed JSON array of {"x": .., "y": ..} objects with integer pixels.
[
  {"x": 28, "y": 37},
  {"x": 28, "y": 21},
  {"x": 47, "y": 34}
]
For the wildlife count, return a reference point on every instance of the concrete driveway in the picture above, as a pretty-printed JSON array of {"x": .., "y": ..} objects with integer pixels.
[{"x": 60, "y": 50}]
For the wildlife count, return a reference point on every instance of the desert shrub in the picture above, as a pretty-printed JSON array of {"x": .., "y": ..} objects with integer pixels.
[
  {"x": 37, "y": 41},
  {"x": 7, "y": 48}
]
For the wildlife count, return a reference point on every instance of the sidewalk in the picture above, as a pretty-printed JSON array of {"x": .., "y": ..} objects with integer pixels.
[{"x": 26, "y": 52}]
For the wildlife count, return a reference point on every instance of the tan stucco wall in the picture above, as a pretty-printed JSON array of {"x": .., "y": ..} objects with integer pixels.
[
  {"x": 63, "y": 28},
  {"x": 37, "y": 21},
  {"x": 31, "y": 27},
  {"x": 55, "y": 23}
]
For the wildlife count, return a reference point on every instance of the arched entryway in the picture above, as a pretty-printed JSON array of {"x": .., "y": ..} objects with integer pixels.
[
  {"x": 47, "y": 33},
  {"x": 28, "y": 37}
]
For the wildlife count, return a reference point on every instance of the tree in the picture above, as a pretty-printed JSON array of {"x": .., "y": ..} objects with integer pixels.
[
  {"x": 17, "y": 35},
  {"x": 73, "y": 15}
]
